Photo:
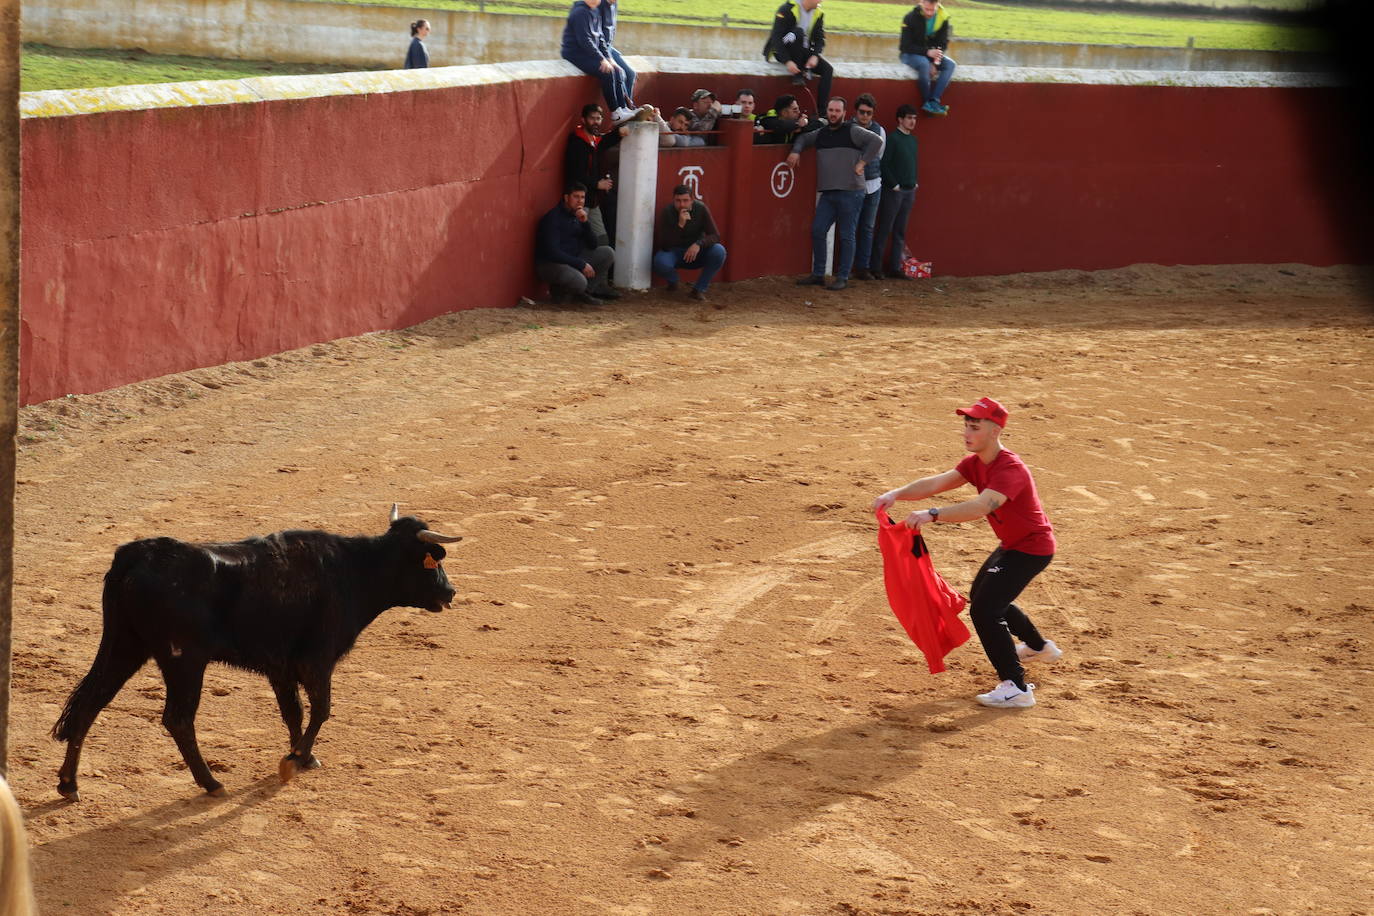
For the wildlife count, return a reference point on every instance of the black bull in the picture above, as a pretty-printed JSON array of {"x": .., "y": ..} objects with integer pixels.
[{"x": 287, "y": 606}]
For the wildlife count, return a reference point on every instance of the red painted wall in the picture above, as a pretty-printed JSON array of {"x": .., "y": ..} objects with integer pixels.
[{"x": 158, "y": 241}]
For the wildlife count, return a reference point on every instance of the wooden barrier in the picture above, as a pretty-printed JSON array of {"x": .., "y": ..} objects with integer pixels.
[{"x": 159, "y": 239}]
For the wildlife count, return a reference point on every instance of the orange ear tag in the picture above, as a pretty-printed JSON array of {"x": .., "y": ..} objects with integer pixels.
[{"x": 430, "y": 562}]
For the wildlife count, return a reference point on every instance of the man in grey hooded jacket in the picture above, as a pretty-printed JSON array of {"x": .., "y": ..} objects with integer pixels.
[{"x": 843, "y": 151}]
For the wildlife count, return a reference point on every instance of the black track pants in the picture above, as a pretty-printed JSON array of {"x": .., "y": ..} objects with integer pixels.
[{"x": 1004, "y": 575}]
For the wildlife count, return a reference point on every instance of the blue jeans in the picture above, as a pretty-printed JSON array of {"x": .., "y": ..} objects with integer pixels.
[
  {"x": 864, "y": 234},
  {"x": 892, "y": 218},
  {"x": 668, "y": 261},
  {"x": 841, "y": 210},
  {"x": 922, "y": 64},
  {"x": 612, "y": 84},
  {"x": 629, "y": 77}
]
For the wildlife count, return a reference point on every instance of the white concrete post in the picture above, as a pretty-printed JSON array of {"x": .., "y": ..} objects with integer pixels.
[{"x": 634, "y": 228}]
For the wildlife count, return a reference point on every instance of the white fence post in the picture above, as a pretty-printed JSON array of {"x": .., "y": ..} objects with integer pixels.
[{"x": 634, "y": 228}]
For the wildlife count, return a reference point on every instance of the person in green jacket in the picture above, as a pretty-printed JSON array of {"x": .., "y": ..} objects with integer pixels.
[{"x": 898, "y": 173}]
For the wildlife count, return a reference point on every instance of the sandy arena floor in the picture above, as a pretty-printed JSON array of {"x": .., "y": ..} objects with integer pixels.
[{"x": 672, "y": 684}]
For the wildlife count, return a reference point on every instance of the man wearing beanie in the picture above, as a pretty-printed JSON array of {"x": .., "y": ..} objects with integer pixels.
[{"x": 1007, "y": 498}]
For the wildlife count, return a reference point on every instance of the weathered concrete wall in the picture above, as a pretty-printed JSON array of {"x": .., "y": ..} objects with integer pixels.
[
  {"x": 175, "y": 226},
  {"x": 377, "y": 36}
]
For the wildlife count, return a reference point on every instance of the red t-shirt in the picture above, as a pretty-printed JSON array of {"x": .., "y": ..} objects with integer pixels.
[{"x": 1020, "y": 522}]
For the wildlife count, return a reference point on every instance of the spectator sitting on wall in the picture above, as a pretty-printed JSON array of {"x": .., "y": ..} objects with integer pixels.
[
  {"x": 705, "y": 111},
  {"x": 417, "y": 58},
  {"x": 783, "y": 121},
  {"x": 843, "y": 151},
  {"x": 566, "y": 255},
  {"x": 924, "y": 41},
  {"x": 675, "y": 130},
  {"x": 899, "y": 192},
  {"x": 688, "y": 240},
  {"x": 797, "y": 40},
  {"x": 586, "y": 48},
  {"x": 586, "y": 162},
  {"x": 865, "y": 107},
  {"x": 607, "y": 12}
]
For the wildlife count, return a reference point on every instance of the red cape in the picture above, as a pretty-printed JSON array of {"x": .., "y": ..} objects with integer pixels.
[{"x": 926, "y": 606}]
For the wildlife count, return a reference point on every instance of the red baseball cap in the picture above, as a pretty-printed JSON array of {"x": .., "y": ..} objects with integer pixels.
[{"x": 985, "y": 409}]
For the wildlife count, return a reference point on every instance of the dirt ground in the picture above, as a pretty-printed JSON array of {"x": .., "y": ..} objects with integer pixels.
[{"x": 671, "y": 683}]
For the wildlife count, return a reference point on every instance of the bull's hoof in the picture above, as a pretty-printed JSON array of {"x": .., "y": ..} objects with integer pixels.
[
  {"x": 288, "y": 768},
  {"x": 215, "y": 791},
  {"x": 68, "y": 791},
  {"x": 312, "y": 764}
]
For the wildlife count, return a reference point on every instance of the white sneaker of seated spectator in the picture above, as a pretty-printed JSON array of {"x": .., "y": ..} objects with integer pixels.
[
  {"x": 622, "y": 114},
  {"x": 1050, "y": 653},
  {"x": 1007, "y": 695}
]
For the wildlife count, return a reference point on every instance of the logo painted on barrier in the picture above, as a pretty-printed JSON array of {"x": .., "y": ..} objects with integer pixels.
[
  {"x": 783, "y": 179},
  {"x": 691, "y": 176}
]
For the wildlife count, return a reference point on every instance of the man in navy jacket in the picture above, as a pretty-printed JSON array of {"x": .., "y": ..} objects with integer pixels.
[
  {"x": 586, "y": 47},
  {"x": 566, "y": 255}
]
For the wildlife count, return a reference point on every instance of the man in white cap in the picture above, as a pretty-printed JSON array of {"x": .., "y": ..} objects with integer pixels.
[{"x": 1007, "y": 498}]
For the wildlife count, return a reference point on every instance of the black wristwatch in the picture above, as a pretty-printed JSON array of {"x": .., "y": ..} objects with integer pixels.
[{"x": 934, "y": 513}]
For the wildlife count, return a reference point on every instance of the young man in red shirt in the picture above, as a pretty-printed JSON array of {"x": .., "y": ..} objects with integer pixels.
[{"x": 1007, "y": 498}]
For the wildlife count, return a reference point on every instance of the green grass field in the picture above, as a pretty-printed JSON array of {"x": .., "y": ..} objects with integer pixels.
[
  {"x": 45, "y": 67},
  {"x": 972, "y": 19}
]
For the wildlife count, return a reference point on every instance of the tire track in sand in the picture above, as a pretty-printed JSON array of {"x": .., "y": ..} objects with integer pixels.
[{"x": 678, "y": 669}]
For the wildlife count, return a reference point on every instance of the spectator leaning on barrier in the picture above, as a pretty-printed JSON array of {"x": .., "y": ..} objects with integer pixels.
[
  {"x": 899, "y": 192},
  {"x": 843, "y": 151},
  {"x": 585, "y": 47},
  {"x": 797, "y": 40},
  {"x": 417, "y": 58},
  {"x": 865, "y": 107},
  {"x": 747, "y": 105},
  {"x": 924, "y": 41},
  {"x": 607, "y": 12},
  {"x": 566, "y": 255},
  {"x": 676, "y": 130},
  {"x": 585, "y": 162},
  {"x": 688, "y": 240},
  {"x": 784, "y": 121},
  {"x": 746, "y": 109},
  {"x": 705, "y": 111}
]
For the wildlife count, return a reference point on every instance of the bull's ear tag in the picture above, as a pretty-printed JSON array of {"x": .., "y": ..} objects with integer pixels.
[{"x": 430, "y": 562}]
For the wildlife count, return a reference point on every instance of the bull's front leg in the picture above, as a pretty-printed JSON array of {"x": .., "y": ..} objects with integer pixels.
[
  {"x": 289, "y": 702},
  {"x": 302, "y": 752}
]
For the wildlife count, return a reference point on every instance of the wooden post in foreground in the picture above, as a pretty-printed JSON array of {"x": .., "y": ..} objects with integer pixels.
[{"x": 9, "y": 340}]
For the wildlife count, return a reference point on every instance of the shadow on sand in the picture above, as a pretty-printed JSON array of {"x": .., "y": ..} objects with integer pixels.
[{"x": 149, "y": 844}]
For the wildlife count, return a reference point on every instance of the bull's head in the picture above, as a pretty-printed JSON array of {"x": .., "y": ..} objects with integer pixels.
[{"x": 432, "y": 591}]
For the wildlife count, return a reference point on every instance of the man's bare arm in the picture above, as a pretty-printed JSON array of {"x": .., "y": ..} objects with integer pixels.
[{"x": 921, "y": 489}]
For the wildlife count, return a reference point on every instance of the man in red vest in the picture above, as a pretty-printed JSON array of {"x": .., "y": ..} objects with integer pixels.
[{"x": 1007, "y": 499}]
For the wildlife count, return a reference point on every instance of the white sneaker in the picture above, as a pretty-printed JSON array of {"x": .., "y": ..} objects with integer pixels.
[
  {"x": 1050, "y": 653},
  {"x": 1008, "y": 695},
  {"x": 622, "y": 114}
]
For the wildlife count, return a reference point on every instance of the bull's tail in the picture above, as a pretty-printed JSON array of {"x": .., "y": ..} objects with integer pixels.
[{"x": 120, "y": 655}]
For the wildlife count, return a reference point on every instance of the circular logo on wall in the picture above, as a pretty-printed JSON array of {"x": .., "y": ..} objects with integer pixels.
[{"x": 782, "y": 179}]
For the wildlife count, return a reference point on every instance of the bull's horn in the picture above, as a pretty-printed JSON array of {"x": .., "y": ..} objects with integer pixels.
[
  {"x": 395, "y": 511},
  {"x": 434, "y": 537}
]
